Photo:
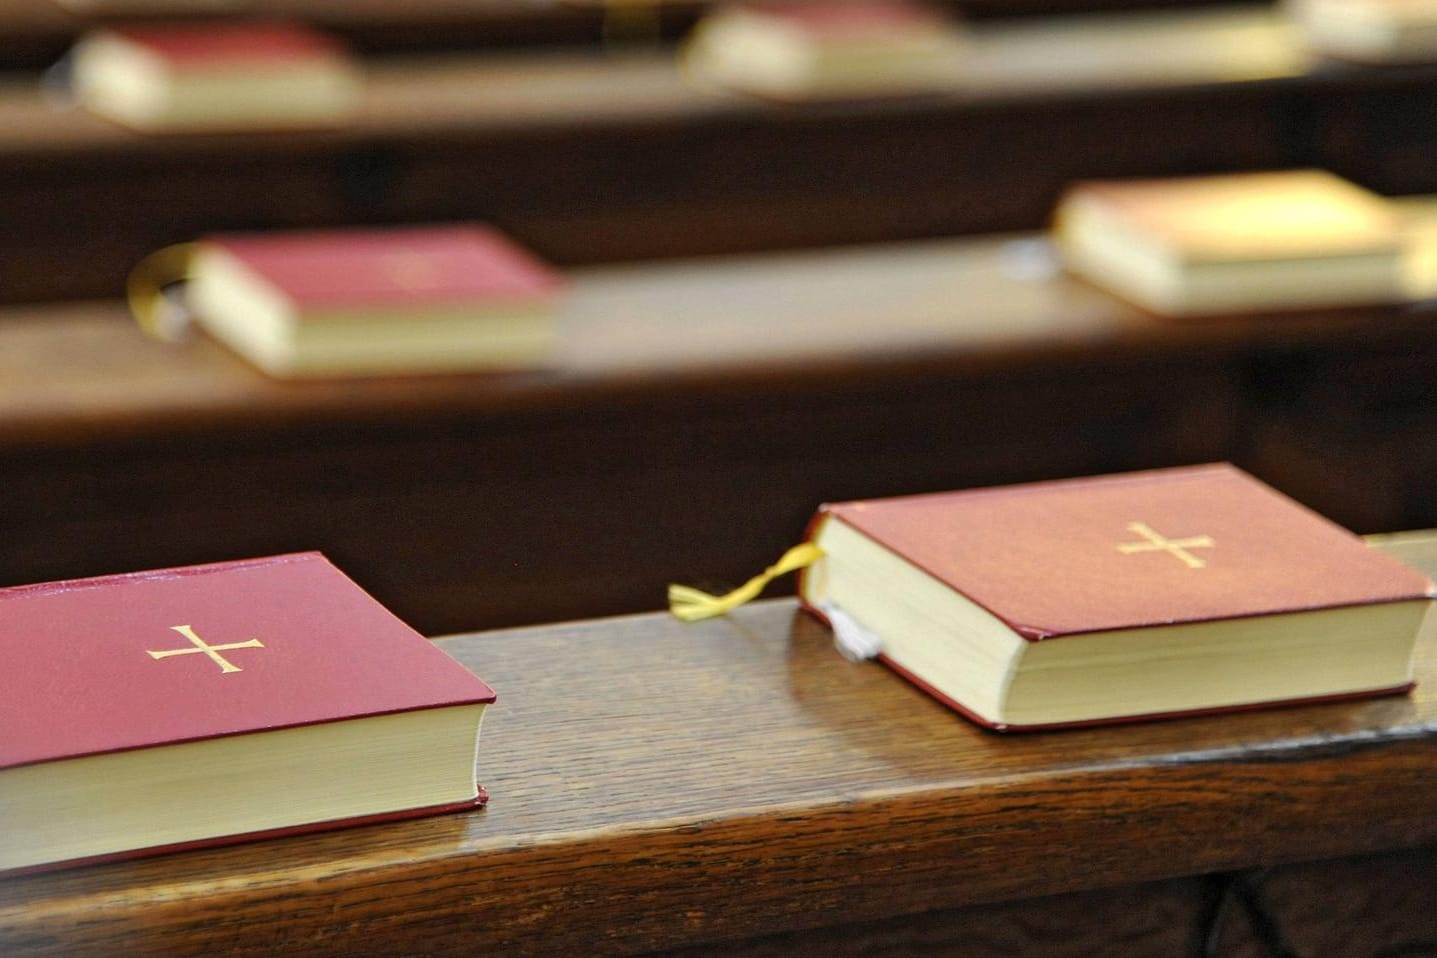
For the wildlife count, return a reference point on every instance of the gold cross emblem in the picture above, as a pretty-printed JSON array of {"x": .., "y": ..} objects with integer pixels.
[
  {"x": 1156, "y": 542},
  {"x": 213, "y": 651}
]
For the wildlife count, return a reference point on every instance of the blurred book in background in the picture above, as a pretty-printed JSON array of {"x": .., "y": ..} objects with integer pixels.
[
  {"x": 352, "y": 302},
  {"x": 1237, "y": 243},
  {"x": 217, "y": 76},
  {"x": 851, "y": 48},
  {"x": 1369, "y": 31}
]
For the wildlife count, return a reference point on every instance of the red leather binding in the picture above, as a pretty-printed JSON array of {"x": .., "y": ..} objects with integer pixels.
[
  {"x": 79, "y": 678},
  {"x": 852, "y": 18},
  {"x": 346, "y": 269},
  {"x": 208, "y": 45},
  {"x": 1044, "y": 557}
]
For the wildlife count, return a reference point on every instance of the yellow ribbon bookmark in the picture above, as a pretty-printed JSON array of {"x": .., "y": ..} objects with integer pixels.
[
  {"x": 691, "y": 605},
  {"x": 145, "y": 290}
]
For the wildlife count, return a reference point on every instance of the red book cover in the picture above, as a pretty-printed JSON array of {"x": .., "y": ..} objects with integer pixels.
[
  {"x": 198, "y": 45},
  {"x": 1285, "y": 214},
  {"x": 337, "y": 269},
  {"x": 81, "y": 676},
  {"x": 1054, "y": 560},
  {"x": 853, "y": 18},
  {"x": 129, "y": 662},
  {"x": 1062, "y": 558}
]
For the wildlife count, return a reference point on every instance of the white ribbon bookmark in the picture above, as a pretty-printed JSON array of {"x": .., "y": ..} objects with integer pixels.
[{"x": 854, "y": 642}]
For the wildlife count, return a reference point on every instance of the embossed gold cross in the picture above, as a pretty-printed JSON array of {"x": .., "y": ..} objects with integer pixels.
[
  {"x": 1156, "y": 542},
  {"x": 213, "y": 651}
]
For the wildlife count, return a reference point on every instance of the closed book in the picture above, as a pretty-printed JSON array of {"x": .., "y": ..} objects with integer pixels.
[
  {"x": 400, "y": 300},
  {"x": 1116, "y": 598},
  {"x": 215, "y": 703},
  {"x": 839, "y": 49},
  {"x": 1369, "y": 31},
  {"x": 1250, "y": 242},
  {"x": 217, "y": 76}
]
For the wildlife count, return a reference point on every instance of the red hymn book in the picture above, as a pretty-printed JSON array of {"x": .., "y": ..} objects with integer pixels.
[
  {"x": 1116, "y": 598},
  {"x": 214, "y": 703},
  {"x": 418, "y": 299},
  {"x": 211, "y": 44},
  {"x": 338, "y": 269},
  {"x": 217, "y": 76}
]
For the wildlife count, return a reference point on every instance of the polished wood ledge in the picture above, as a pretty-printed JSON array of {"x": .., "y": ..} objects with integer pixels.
[
  {"x": 736, "y": 786},
  {"x": 759, "y": 326}
]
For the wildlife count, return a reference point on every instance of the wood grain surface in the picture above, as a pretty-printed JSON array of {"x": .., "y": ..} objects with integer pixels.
[
  {"x": 1375, "y": 905},
  {"x": 1359, "y": 907},
  {"x": 657, "y": 785}
]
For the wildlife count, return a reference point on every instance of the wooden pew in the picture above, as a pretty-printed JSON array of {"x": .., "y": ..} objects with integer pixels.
[
  {"x": 698, "y": 413},
  {"x": 35, "y": 33},
  {"x": 593, "y": 158},
  {"x": 735, "y": 787}
]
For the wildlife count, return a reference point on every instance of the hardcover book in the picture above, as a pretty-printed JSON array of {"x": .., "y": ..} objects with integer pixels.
[
  {"x": 217, "y": 76},
  {"x": 347, "y": 302},
  {"x": 1235, "y": 243},
  {"x": 849, "y": 48},
  {"x": 1116, "y": 598},
  {"x": 216, "y": 703},
  {"x": 1369, "y": 31}
]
